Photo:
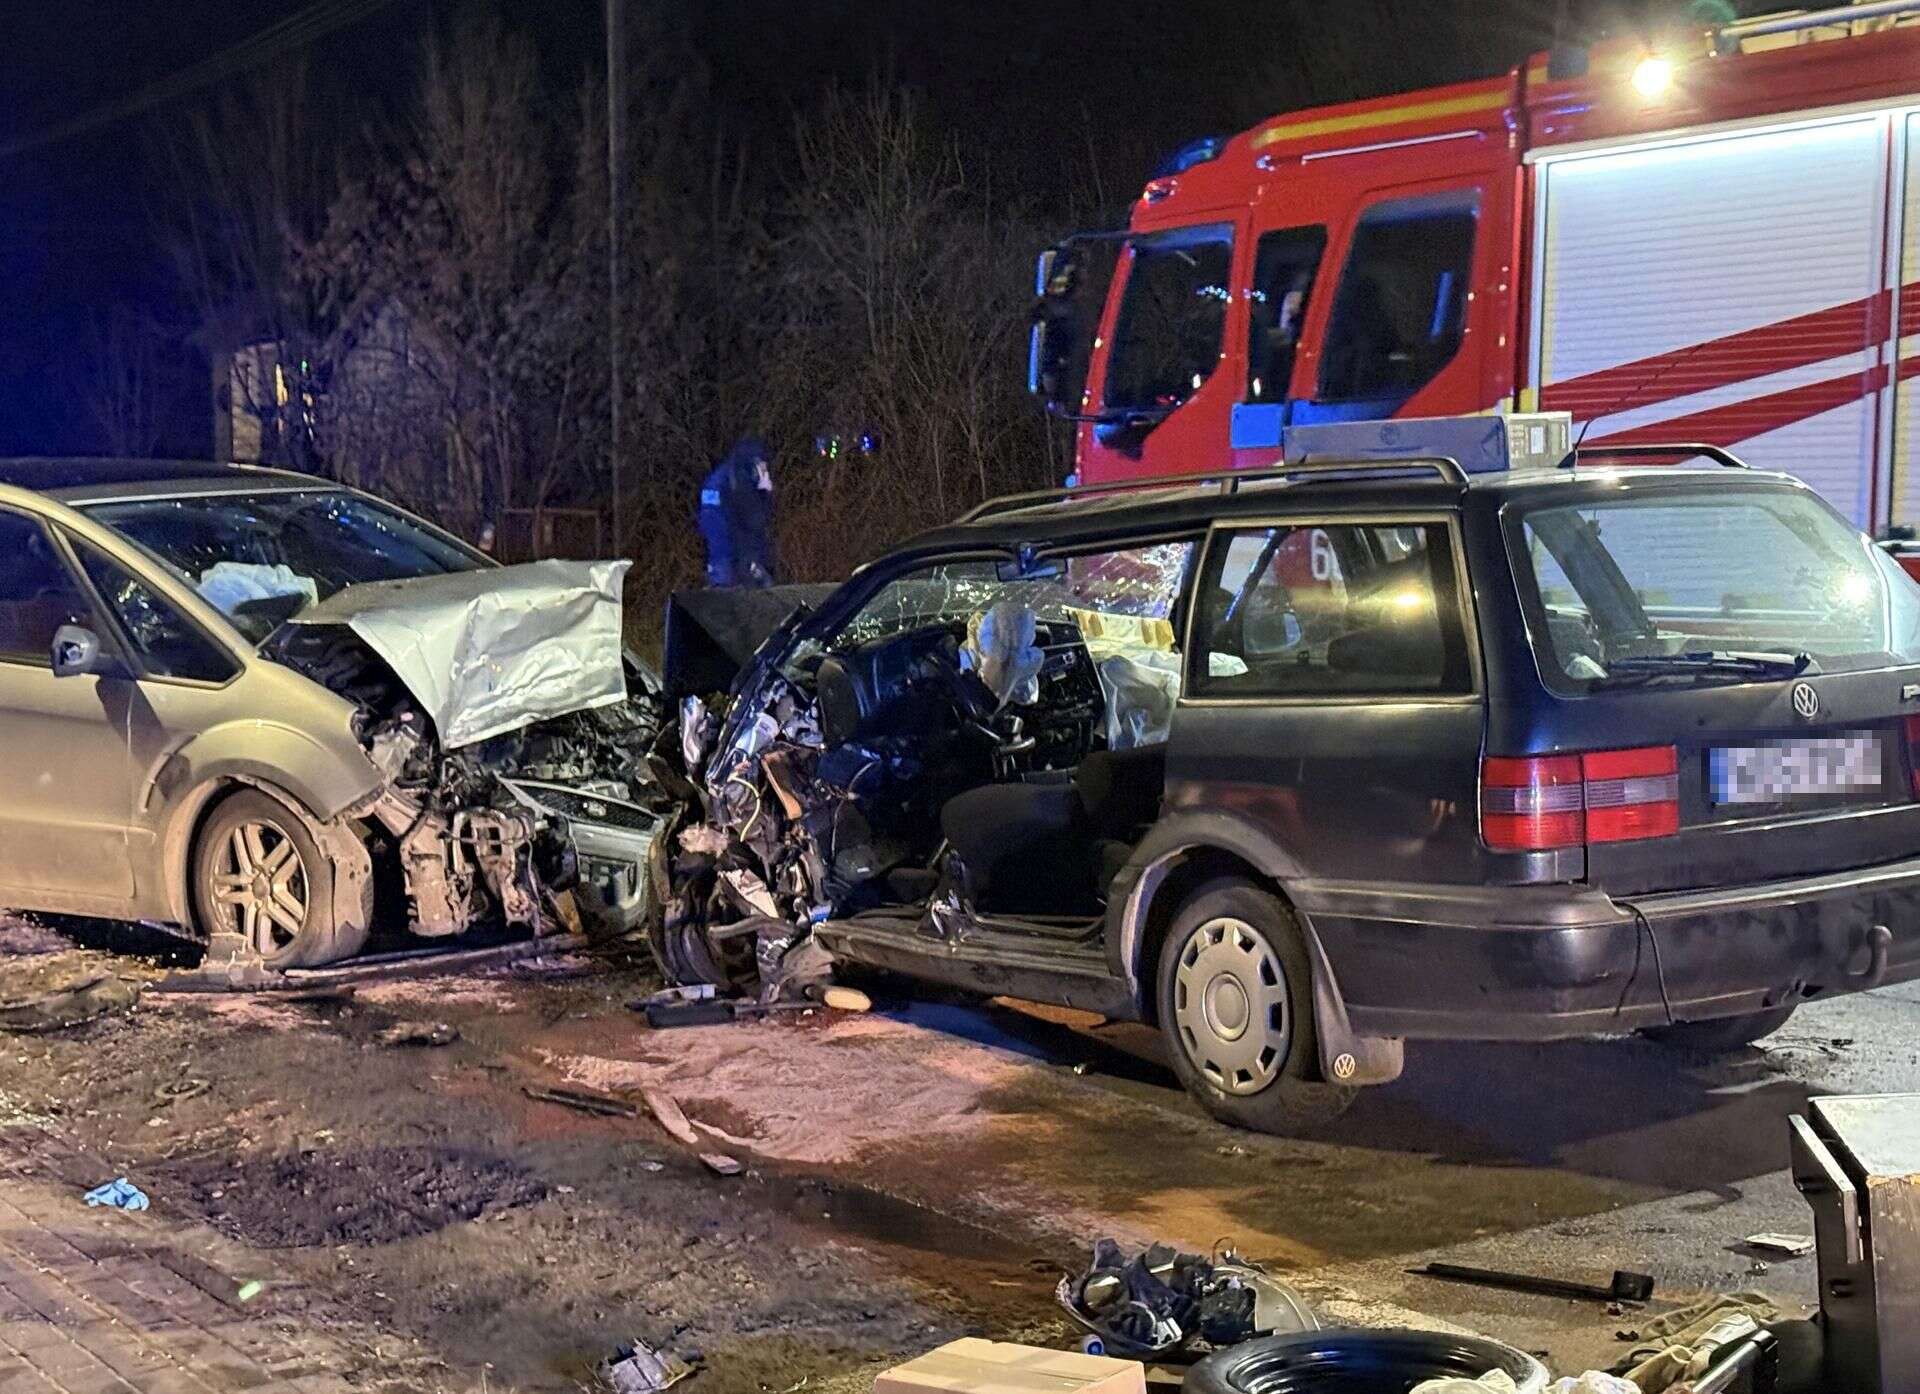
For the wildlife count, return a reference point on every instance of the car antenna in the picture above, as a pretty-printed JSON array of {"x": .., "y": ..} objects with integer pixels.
[{"x": 1653, "y": 379}]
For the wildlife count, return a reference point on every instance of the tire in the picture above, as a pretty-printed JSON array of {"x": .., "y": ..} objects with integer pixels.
[
  {"x": 1721, "y": 1037},
  {"x": 1233, "y": 949},
  {"x": 285, "y": 913}
]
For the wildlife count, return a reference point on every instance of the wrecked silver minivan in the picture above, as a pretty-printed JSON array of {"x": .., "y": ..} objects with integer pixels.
[{"x": 271, "y": 711}]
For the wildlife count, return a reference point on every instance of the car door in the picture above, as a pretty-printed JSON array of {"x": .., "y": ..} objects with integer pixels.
[
  {"x": 65, "y": 783},
  {"x": 1332, "y": 695},
  {"x": 183, "y": 687}
]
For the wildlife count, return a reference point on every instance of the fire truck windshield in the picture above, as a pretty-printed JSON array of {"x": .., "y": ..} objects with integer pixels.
[{"x": 1173, "y": 313}]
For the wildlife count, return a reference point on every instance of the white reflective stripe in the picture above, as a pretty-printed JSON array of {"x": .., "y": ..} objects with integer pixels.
[{"x": 1639, "y": 789}]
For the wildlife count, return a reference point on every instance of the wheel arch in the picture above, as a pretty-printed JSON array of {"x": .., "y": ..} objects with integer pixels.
[
  {"x": 1184, "y": 853},
  {"x": 337, "y": 838}
]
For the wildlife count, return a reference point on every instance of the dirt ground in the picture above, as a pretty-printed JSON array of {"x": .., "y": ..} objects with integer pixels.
[{"x": 921, "y": 1172}]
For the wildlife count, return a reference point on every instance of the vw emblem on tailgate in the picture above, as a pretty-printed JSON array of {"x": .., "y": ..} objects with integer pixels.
[{"x": 1806, "y": 702}]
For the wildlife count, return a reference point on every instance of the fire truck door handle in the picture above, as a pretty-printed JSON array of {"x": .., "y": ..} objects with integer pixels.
[{"x": 1835, "y": 1202}]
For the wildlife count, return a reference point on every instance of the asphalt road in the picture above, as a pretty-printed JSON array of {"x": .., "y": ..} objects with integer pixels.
[{"x": 952, "y": 1157}]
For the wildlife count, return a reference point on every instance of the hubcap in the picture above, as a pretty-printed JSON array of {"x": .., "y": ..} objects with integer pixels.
[
  {"x": 260, "y": 882},
  {"x": 1231, "y": 1008}
]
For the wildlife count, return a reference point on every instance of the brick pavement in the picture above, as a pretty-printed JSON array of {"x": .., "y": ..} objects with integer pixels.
[{"x": 104, "y": 1302}]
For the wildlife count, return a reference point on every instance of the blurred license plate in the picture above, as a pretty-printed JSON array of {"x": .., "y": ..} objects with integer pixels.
[{"x": 1790, "y": 770}]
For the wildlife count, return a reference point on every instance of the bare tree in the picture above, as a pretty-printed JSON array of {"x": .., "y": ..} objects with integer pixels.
[{"x": 123, "y": 372}]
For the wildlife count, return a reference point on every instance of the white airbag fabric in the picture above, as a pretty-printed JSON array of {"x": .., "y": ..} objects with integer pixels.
[{"x": 486, "y": 652}]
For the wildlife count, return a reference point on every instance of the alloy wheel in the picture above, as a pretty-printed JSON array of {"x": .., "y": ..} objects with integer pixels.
[{"x": 261, "y": 883}]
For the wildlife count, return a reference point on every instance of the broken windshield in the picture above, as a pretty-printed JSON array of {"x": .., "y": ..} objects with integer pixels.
[{"x": 261, "y": 557}]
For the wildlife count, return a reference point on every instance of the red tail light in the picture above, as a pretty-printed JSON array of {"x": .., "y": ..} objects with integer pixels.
[
  {"x": 1913, "y": 751},
  {"x": 1540, "y": 802}
]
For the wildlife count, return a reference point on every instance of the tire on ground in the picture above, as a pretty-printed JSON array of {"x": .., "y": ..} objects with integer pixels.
[
  {"x": 325, "y": 935},
  {"x": 1724, "y": 1036},
  {"x": 1296, "y": 1097}
]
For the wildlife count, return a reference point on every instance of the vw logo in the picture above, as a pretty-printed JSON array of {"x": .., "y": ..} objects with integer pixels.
[
  {"x": 1806, "y": 702},
  {"x": 596, "y": 809}
]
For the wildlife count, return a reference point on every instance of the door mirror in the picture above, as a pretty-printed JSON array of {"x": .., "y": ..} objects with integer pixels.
[{"x": 76, "y": 651}]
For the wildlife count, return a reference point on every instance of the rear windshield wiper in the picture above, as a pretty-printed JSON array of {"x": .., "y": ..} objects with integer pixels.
[{"x": 1701, "y": 663}]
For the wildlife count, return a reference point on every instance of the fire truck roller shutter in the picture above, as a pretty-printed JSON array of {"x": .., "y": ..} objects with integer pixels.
[{"x": 1728, "y": 288}]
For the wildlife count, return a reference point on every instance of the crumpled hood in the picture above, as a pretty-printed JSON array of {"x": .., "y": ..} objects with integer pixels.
[{"x": 489, "y": 651}]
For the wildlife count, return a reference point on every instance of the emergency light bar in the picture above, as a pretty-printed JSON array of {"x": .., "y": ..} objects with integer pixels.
[{"x": 1481, "y": 444}]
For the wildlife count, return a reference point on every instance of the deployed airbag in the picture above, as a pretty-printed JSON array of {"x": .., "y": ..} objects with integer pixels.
[{"x": 489, "y": 651}]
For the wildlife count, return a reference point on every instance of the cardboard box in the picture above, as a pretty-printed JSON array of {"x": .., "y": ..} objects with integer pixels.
[{"x": 974, "y": 1366}]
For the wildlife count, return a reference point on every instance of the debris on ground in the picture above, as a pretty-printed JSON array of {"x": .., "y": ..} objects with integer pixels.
[
  {"x": 420, "y": 1033},
  {"x": 118, "y": 1194},
  {"x": 640, "y": 1369},
  {"x": 176, "y": 1091},
  {"x": 1624, "y": 1287},
  {"x": 720, "y": 1164},
  {"x": 1683, "y": 1344},
  {"x": 999, "y": 1367},
  {"x": 1371, "y": 1359},
  {"x": 1594, "y": 1382},
  {"x": 668, "y": 1114},
  {"x": 1786, "y": 1245},
  {"x": 585, "y": 1100},
  {"x": 1161, "y": 1300},
  {"x": 60, "y": 991},
  {"x": 1492, "y": 1382}
]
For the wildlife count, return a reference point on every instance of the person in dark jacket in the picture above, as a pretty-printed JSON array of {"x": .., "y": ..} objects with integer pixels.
[{"x": 736, "y": 517}]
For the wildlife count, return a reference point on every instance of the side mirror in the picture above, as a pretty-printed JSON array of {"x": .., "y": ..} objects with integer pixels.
[
  {"x": 1050, "y": 346},
  {"x": 76, "y": 651}
]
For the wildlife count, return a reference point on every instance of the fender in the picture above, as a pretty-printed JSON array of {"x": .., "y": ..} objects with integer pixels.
[
  {"x": 315, "y": 779},
  {"x": 1344, "y": 1057}
]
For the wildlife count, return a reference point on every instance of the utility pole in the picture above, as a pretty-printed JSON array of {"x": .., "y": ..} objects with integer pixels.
[{"x": 616, "y": 168}]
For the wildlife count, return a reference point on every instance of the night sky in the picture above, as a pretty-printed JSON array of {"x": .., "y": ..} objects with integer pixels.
[{"x": 1026, "y": 87}]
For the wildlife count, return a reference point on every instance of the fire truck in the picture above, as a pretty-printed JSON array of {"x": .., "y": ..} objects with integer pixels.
[{"x": 1707, "y": 236}]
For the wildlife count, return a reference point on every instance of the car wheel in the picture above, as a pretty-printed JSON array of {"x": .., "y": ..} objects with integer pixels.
[
  {"x": 1236, "y": 1006},
  {"x": 259, "y": 875},
  {"x": 1721, "y": 1037}
]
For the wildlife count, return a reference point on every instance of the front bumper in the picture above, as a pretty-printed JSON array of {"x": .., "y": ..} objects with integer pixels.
[
  {"x": 612, "y": 841},
  {"x": 1548, "y": 962}
]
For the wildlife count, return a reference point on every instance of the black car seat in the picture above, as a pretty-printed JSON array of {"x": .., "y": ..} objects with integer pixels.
[{"x": 1052, "y": 848}]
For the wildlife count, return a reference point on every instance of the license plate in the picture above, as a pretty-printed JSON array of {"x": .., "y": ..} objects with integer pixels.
[{"x": 1788, "y": 771}]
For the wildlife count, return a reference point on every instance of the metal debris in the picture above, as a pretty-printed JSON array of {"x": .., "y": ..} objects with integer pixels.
[
  {"x": 1162, "y": 1301},
  {"x": 420, "y": 1033},
  {"x": 640, "y": 1369},
  {"x": 1789, "y": 1245},
  {"x": 584, "y": 1100}
]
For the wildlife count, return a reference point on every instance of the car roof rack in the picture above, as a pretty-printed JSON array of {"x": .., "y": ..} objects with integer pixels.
[
  {"x": 1227, "y": 481},
  {"x": 1720, "y": 455}
]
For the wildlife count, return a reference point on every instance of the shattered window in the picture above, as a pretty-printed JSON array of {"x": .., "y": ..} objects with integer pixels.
[
  {"x": 937, "y": 594},
  {"x": 169, "y": 644},
  {"x": 260, "y": 557}
]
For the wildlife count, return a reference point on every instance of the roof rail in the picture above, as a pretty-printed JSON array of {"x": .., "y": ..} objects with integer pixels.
[
  {"x": 1718, "y": 454},
  {"x": 1762, "y": 26},
  {"x": 1228, "y": 482}
]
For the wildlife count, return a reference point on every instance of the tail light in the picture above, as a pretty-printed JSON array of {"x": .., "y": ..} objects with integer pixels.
[
  {"x": 1913, "y": 751},
  {"x": 1540, "y": 802}
]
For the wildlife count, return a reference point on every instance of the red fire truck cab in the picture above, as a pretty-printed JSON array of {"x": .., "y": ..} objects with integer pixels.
[{"x": 1711, "y": 237}]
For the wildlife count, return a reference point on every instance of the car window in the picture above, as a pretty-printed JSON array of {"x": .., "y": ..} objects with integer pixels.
[
  {"x": 1139, "y": 584},
  {"x": 1284, "y": 266},
  {"x": 1173, "y": 315},
  {"x": 1330, "y": 609},
  {"x": 168, "y": 643},
  {"x": 259, "y": 557},
  {"x": 1772, "y": 571},
  {"x": 1400, "y": 312},
  {"x": 38, "y": 593}
]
